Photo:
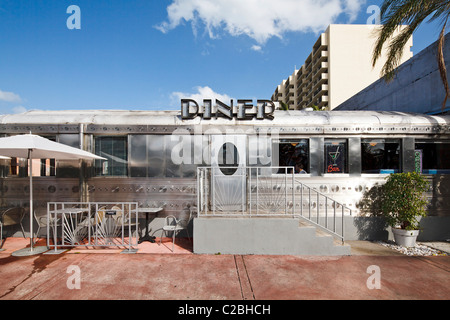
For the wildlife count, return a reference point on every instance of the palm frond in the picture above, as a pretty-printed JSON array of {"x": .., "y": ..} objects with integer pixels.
[
  {"x": 411, "y": 14},
  {"x": 441, "y": 63}
]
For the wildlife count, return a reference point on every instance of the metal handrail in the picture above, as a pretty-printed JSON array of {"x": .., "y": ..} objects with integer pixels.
[
  {"x": 286, "y": 201},
  {"x": 256, "y": 203},
  {"x": 334, "y": 204}
]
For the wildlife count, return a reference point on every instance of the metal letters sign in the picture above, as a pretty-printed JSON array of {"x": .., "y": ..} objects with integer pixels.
[{"x": 245, "y": 110}]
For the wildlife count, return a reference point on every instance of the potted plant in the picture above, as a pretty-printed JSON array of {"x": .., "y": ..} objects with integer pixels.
[{"x": 404, "y": 202}]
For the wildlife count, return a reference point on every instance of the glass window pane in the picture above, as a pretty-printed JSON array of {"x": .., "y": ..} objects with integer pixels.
[
  {"x": 380, "y": 155},
  {"x": 114, "y": 149},
  {"x": 335, "y": 156},
  {"x": 294, "y": 153},
  {"x": 433, "y": 156}
]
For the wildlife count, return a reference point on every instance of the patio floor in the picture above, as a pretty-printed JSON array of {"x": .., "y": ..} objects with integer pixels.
[
  {"x": 162, "y": 275},
  {"x": 182, "y": 246}
]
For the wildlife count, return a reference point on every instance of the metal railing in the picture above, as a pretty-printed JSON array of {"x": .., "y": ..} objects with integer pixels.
[
  {"x": 267, "y": 191},
  {"x": 250, "y": 191},
  {"x": 92, "y": 224},
  {"x": 315, "y": 207}
]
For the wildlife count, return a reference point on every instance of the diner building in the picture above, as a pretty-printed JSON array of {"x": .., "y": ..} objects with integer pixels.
[{"x": 256, "y": 180}]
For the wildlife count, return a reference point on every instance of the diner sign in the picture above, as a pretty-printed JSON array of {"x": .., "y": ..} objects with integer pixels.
[{"x": 244, "y": 110}]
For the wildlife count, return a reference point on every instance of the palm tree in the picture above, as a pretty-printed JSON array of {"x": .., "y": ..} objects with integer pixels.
[
  {"x": 412, "y": 13},
  {"x": 284, "y": 106}
]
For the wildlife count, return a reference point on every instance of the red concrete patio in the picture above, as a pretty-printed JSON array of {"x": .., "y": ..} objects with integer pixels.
[{"x": 157, "y": 273}]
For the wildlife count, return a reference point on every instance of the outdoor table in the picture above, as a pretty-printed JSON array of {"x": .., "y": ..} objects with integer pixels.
[{"x": 147, "y": 211}]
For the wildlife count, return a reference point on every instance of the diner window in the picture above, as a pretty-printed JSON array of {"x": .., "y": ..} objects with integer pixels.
[
  {"x": 380, "y": 155},
  {"x": 335, "y": 156},
  {"x": 294, "y": 153},
  {"x": 432, "y": 157},
  {"x": 114, "y": 149},
  {"x": 20, "y": 167},
  {"x": 44, "y": 167},
  {"x": 15, "y": 166}
]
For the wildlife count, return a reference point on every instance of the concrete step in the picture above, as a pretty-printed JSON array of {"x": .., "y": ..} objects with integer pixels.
[{"x": 334, "y": 244}]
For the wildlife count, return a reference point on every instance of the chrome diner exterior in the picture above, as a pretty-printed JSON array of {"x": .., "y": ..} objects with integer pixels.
[{"x": 155, "y": 158}]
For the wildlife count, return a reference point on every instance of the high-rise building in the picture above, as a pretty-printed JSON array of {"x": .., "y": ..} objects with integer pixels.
[{"x": 339, "y": 66}]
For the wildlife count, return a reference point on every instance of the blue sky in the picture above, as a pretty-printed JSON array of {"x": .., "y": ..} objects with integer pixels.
[{"x": 146, "y": 54}]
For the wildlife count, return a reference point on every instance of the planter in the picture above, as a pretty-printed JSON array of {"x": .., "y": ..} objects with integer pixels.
[{"x": 406, "y": 238}]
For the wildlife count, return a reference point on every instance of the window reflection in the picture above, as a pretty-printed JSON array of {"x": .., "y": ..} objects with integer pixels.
[
  {"x": 380, "y": 155},
  {"x": 114, "y": 149},
  {"x": 432, "y": 157},
  {"x": 294, "y": 153}
]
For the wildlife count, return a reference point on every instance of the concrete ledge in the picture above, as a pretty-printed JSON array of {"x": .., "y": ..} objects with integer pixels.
[{"x": 268, "y": 236}]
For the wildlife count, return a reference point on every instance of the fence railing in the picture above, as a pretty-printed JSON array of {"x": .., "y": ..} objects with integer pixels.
[
  {"x": 266, "y": 191},
  {"x": 249, "y": 191},
  {"x": 92, "y": 224}
]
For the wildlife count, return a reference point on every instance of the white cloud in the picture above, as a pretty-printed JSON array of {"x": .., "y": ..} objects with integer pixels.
[
  {"x": 258, "y": 19},
  {"x": 256, "y": 48},
  {"x": 202, "y": 93},
  {"x": 19, "y": 109},
  {"x": 9, "y": 96}
]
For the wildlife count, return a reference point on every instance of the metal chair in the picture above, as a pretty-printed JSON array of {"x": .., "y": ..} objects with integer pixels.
[
  {"x": 175, "y": 225},
  {"x": 42, "y": 223},
  {"x": 124, "y": 219},
  {"x": 11, "y": 217},
  {"x": 109, "y": 227}
]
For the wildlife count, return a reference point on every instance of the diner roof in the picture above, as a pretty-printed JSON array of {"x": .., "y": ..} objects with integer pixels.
[{"x": 173, "y": 118}]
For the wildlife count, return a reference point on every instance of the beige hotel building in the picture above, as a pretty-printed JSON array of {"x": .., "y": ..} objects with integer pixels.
[{"x": 339, "y": 66}]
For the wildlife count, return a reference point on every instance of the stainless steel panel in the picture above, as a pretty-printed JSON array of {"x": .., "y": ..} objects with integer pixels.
[
  {"x": 138, "y": 155},
  {"x": 407, "y": 156},
  {"x": 156, "y": 156},
  {"x": 316, "y": 163},
  {"x": 354, "y": 156},
  {"x": 171, "y": 194}
]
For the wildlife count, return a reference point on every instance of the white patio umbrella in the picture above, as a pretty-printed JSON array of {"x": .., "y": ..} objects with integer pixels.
[{"x": 35, "y": 147}]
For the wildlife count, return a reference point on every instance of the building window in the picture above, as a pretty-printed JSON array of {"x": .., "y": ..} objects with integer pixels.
[
  {"x": 335, "y": 156},
  {"x": 114, "y": 149},
  {"x": 294, "y": 153},
  {"x": 228, "y": 159},
  {"x": 432, "y": 157},
  {"x": 380, "y": 155},
  {"x": 44, "y": 167}
]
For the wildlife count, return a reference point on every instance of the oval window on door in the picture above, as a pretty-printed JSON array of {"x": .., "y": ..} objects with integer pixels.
[{"x": 228, "y": 159}]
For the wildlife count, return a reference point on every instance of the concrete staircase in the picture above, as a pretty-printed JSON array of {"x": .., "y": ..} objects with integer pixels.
[
  {"x": 325, "y": 241},
  {"x": 263, "y": 235}
]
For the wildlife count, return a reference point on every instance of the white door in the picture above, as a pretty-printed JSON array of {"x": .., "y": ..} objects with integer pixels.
[{"x": 228, "y": 173}]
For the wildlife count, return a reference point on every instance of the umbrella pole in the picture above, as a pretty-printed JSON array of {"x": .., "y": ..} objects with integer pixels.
[
  {"x": 31, "y": 250},
  {"x": 30, "y": 159}
]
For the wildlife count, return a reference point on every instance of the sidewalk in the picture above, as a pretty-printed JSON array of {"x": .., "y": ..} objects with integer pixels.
[{"x": 157, "y": 273}]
